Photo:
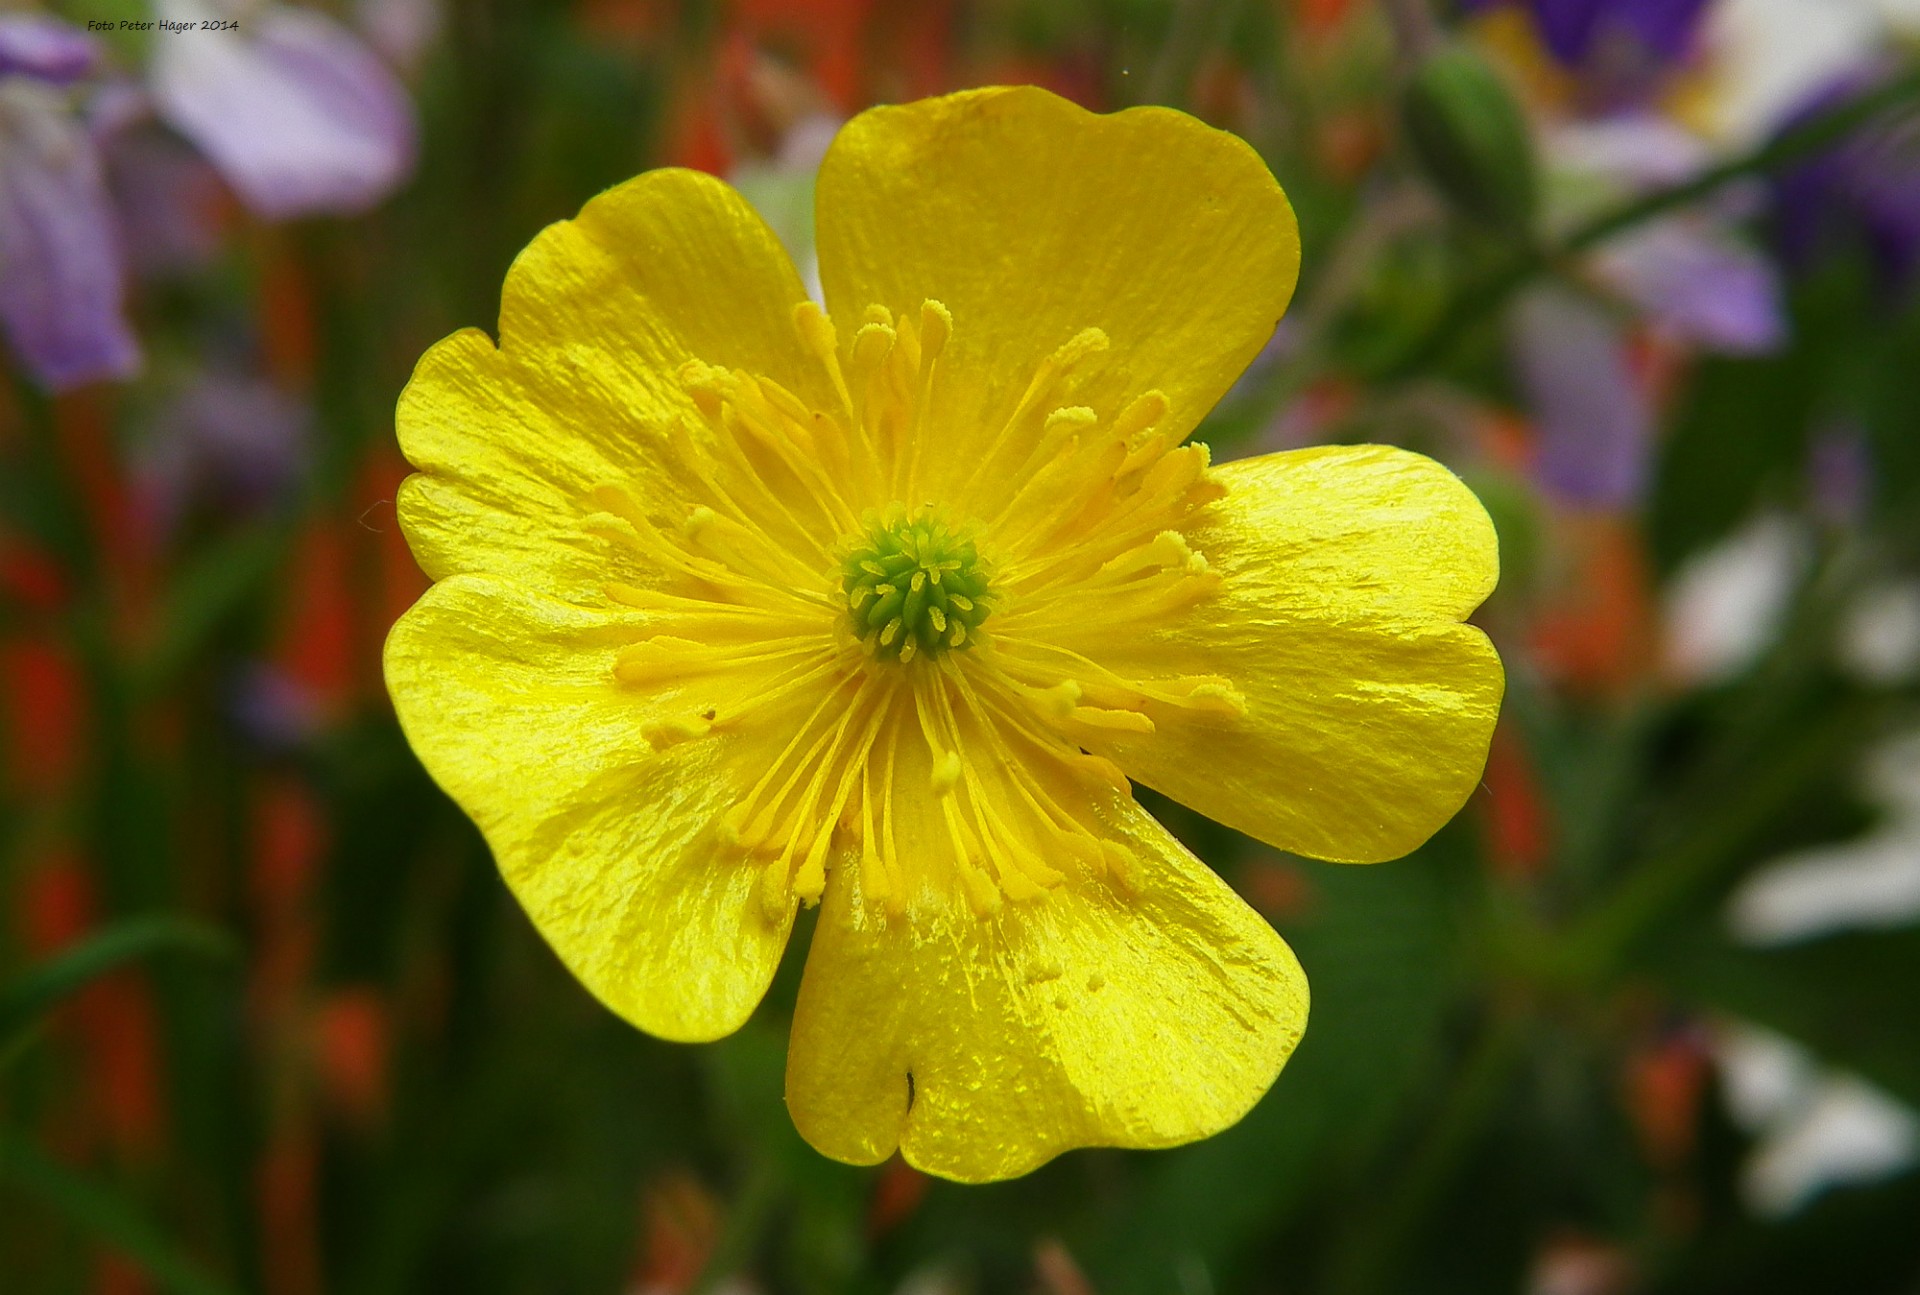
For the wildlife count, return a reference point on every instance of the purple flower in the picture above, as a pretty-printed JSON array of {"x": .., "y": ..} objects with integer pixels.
[
  {"x": 1620, "y": 48},
  {"x": 169, "y": 199},
  {"x": 1699, "y": 284},
  {"x": 1665, "y": 28},
  {"x": 272, "y": 710},
  {"x": 402, "y": 30},
  {"x": 1574, "y": 31},
  {"x": 1692, "y": 275},
  {"x": 1625, "y": 153},
  {"x": 1840, "y": 473},
  {"x": 45, "y": 48},
  {"x": 298, "y": 115},
  {"x": 1566, "y": 26},
  {"x": 60, "y": 278},
  {"x": 230, "y": 442},
  {"x": 1864, "y": 190},
  {"x": 1592, "y": 414}
]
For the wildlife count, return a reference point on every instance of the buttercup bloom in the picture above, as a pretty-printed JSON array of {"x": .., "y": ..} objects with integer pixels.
[{"x": 742, "y": 605}]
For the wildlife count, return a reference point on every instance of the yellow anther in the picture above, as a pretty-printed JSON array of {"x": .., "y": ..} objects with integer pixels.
[
  {"x": 1097, "y": 768},
  {"x": 811, "y": 880},
  {"x": 661, "y": 734},
  {"x": 1118, "y": 721},
  {"x": 1018, "y": 885},
  {"x": 662, "y": 657},
  {"x": 1172, "y": 549},
  {"x": 982, "y": 895},
  {"x": 776, "y": 891},
  {"x": 1070, "y": 419},
  {"x": 1121, "y": 865},
  {"x": 732, "y": 828},
  {"x": 874, "y": 883},
  {"x": 1088, "y": 341},
  {"x": 1140, "y": 416},
  {"x": 815, "y": 329},
  {"x": 1221, "y": 698},
  {"x": 618, "y": 502},
  {"x": 1045, "y": 969},
  {"x": 871, "y": 343},
  {"x": 936, "y": 326}
]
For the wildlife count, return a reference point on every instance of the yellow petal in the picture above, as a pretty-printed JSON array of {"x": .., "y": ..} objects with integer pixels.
[
  {"x": 1335, "y": 532},
  {"x": 510, "y": 701},
  {"x": 983, "y": 1046},
  {"x": 1032, "y": 220},
  {"x": 598, "y": 315},
  {"x": 1358, "y": 742},
  {"x": 1368, "y": 710}
]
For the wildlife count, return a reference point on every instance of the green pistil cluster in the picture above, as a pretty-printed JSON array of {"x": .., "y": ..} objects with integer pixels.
[{"x": 915, "y": 588}]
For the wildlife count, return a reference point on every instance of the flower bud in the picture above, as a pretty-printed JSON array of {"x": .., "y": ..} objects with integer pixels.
[{"x": 1471, "y": 139}]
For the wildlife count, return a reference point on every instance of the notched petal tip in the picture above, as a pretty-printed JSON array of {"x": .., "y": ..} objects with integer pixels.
[
  {"x": 598, "y": 316},
  {"x": 647, "y": 232},
  {"x": 1038, "y": 201},
  {"x": 1088, "y": 1020}
]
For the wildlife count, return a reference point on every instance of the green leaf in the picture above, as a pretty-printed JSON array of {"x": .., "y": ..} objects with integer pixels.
[
  {"x": 28, "y": 997},
  {"x": 206, "y": 592},
  {"x": 1848, "y": 998},
  {"x": 106, "y": 1215},
  {"x": 1741, "y": 431}
]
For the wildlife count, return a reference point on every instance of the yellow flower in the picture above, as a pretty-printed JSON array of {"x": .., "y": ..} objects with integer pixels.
[{"x": 740, "y": 608}]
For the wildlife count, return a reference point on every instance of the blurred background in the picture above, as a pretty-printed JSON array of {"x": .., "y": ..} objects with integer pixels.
[{"x": 1644, "y": 1018}]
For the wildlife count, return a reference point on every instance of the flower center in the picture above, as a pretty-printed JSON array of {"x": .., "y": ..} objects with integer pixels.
[
  {"x": 915, "y": 586},
  {"x": 982, "y": 783}
]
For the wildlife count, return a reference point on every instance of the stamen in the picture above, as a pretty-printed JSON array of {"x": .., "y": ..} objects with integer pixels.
[
  {"x": 798, "y": 574},
  {"x": 818, "y": 335},
  {"x": 1052, "y": 371}
]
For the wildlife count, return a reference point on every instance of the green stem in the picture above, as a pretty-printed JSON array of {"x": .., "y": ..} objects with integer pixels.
[
  {"x": 1670, "y": 878},
  {"x": 1196, "y": 29},
  {"x": 1369, "y": 1256},
  {"x": 1791, "y": 146},
  {"x": 1796, "y": 144},
  {"x": 746, "y": 1224},
  {"x": 24, "y": 1000},
  {"x": 107, "y": 1216}
]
